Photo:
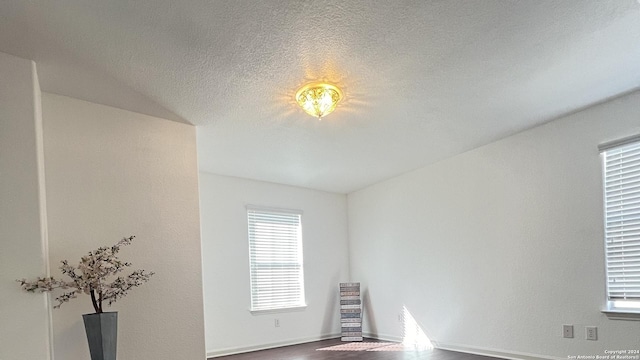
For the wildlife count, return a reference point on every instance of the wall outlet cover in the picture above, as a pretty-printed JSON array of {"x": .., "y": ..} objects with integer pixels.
[
  {"x": 591, "y": 333},
  {"x": 567, "y": 331}
]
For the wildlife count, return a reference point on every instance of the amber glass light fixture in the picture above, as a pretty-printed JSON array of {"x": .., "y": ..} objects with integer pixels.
[{"x": 318, "y": 99}]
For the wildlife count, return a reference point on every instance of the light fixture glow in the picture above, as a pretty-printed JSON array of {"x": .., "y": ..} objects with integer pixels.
[{"x": 318, "y": 99}]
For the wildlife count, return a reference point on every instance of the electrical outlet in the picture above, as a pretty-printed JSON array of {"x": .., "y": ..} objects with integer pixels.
[
  {"x": 567, "y": 331},
  {"x": 276, "y": 322},
  {"x": 399, "y": 317},
  {"x": 591, "y": 332}
]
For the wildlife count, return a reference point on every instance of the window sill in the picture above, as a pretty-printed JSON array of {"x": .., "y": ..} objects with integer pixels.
[
  {"x": 622, "y": 315},
  {"x": 280, "y": 310}
]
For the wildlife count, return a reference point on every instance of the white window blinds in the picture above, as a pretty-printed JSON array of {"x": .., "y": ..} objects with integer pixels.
[
  {"x": 275, "y": 247},
  {"x": 622, "y": 220}
]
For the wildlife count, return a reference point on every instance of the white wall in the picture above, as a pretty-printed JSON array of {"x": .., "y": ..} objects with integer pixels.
[
  {"x": 498, "y": 247},
  {"x": 24, "y": 318},
  {"x": 230, "y": 327},
  {"x": 113, "y": 173}
]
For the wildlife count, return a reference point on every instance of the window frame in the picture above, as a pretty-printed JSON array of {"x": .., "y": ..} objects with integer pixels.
[
  {"x": 615, "y": 309},
  {"x": 301, "y": 303}
]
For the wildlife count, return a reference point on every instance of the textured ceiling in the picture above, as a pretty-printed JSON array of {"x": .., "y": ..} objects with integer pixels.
[{"x": 423, "y": 80}]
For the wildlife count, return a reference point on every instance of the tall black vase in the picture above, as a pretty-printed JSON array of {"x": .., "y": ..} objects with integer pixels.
[{"x": 102, "y": 335}]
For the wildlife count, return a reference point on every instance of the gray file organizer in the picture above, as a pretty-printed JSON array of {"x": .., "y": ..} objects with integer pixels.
[{"x": 350, "y": 312}]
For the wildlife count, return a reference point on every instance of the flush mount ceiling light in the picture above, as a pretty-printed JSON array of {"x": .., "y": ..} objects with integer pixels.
[{"x": 318, "y": 99}]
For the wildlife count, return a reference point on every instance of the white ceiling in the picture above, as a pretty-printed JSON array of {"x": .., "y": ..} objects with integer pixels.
[{"x": 423, "y": 80}]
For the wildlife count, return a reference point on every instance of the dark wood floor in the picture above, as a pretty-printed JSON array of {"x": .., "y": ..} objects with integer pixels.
[{"x": 308, "y": 352}]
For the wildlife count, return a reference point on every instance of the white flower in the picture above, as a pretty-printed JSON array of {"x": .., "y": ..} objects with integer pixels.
[{"x": 91, "y": 277}]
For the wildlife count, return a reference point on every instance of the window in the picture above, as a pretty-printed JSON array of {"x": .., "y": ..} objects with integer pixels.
[
  {"x": 621, "y": 168},
  {"x": 275, "y": 256}
]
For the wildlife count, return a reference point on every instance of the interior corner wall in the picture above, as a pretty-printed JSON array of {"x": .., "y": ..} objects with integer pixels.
[
  {"x": 230, "y": 327},
  {"x": 112, "y": 173},
  {"x": 493, "y": 250},
  {"x": 24, "y": 318}
]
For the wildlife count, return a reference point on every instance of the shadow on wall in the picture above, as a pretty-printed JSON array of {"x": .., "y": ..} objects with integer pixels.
[
  {"x": 71, "y": 338},
  {"x": 367, "y": 313},
  {"x": 330, "y": 313}
]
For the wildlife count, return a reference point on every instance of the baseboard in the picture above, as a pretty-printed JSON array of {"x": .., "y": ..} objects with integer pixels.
[
  {"x": 511, "y": 355},
  {"x": 245, "y": 349},
  {"x": 503, "y": 354},
  {"x": 383, "y": 337}
]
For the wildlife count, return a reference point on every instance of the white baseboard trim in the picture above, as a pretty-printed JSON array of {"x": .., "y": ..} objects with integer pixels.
[
  {"x": 503, "y": 354},
  {"x": 511, "y": 355},
  {"x": 383, "y": 337},
  {"x": 245, "y": 349}
]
